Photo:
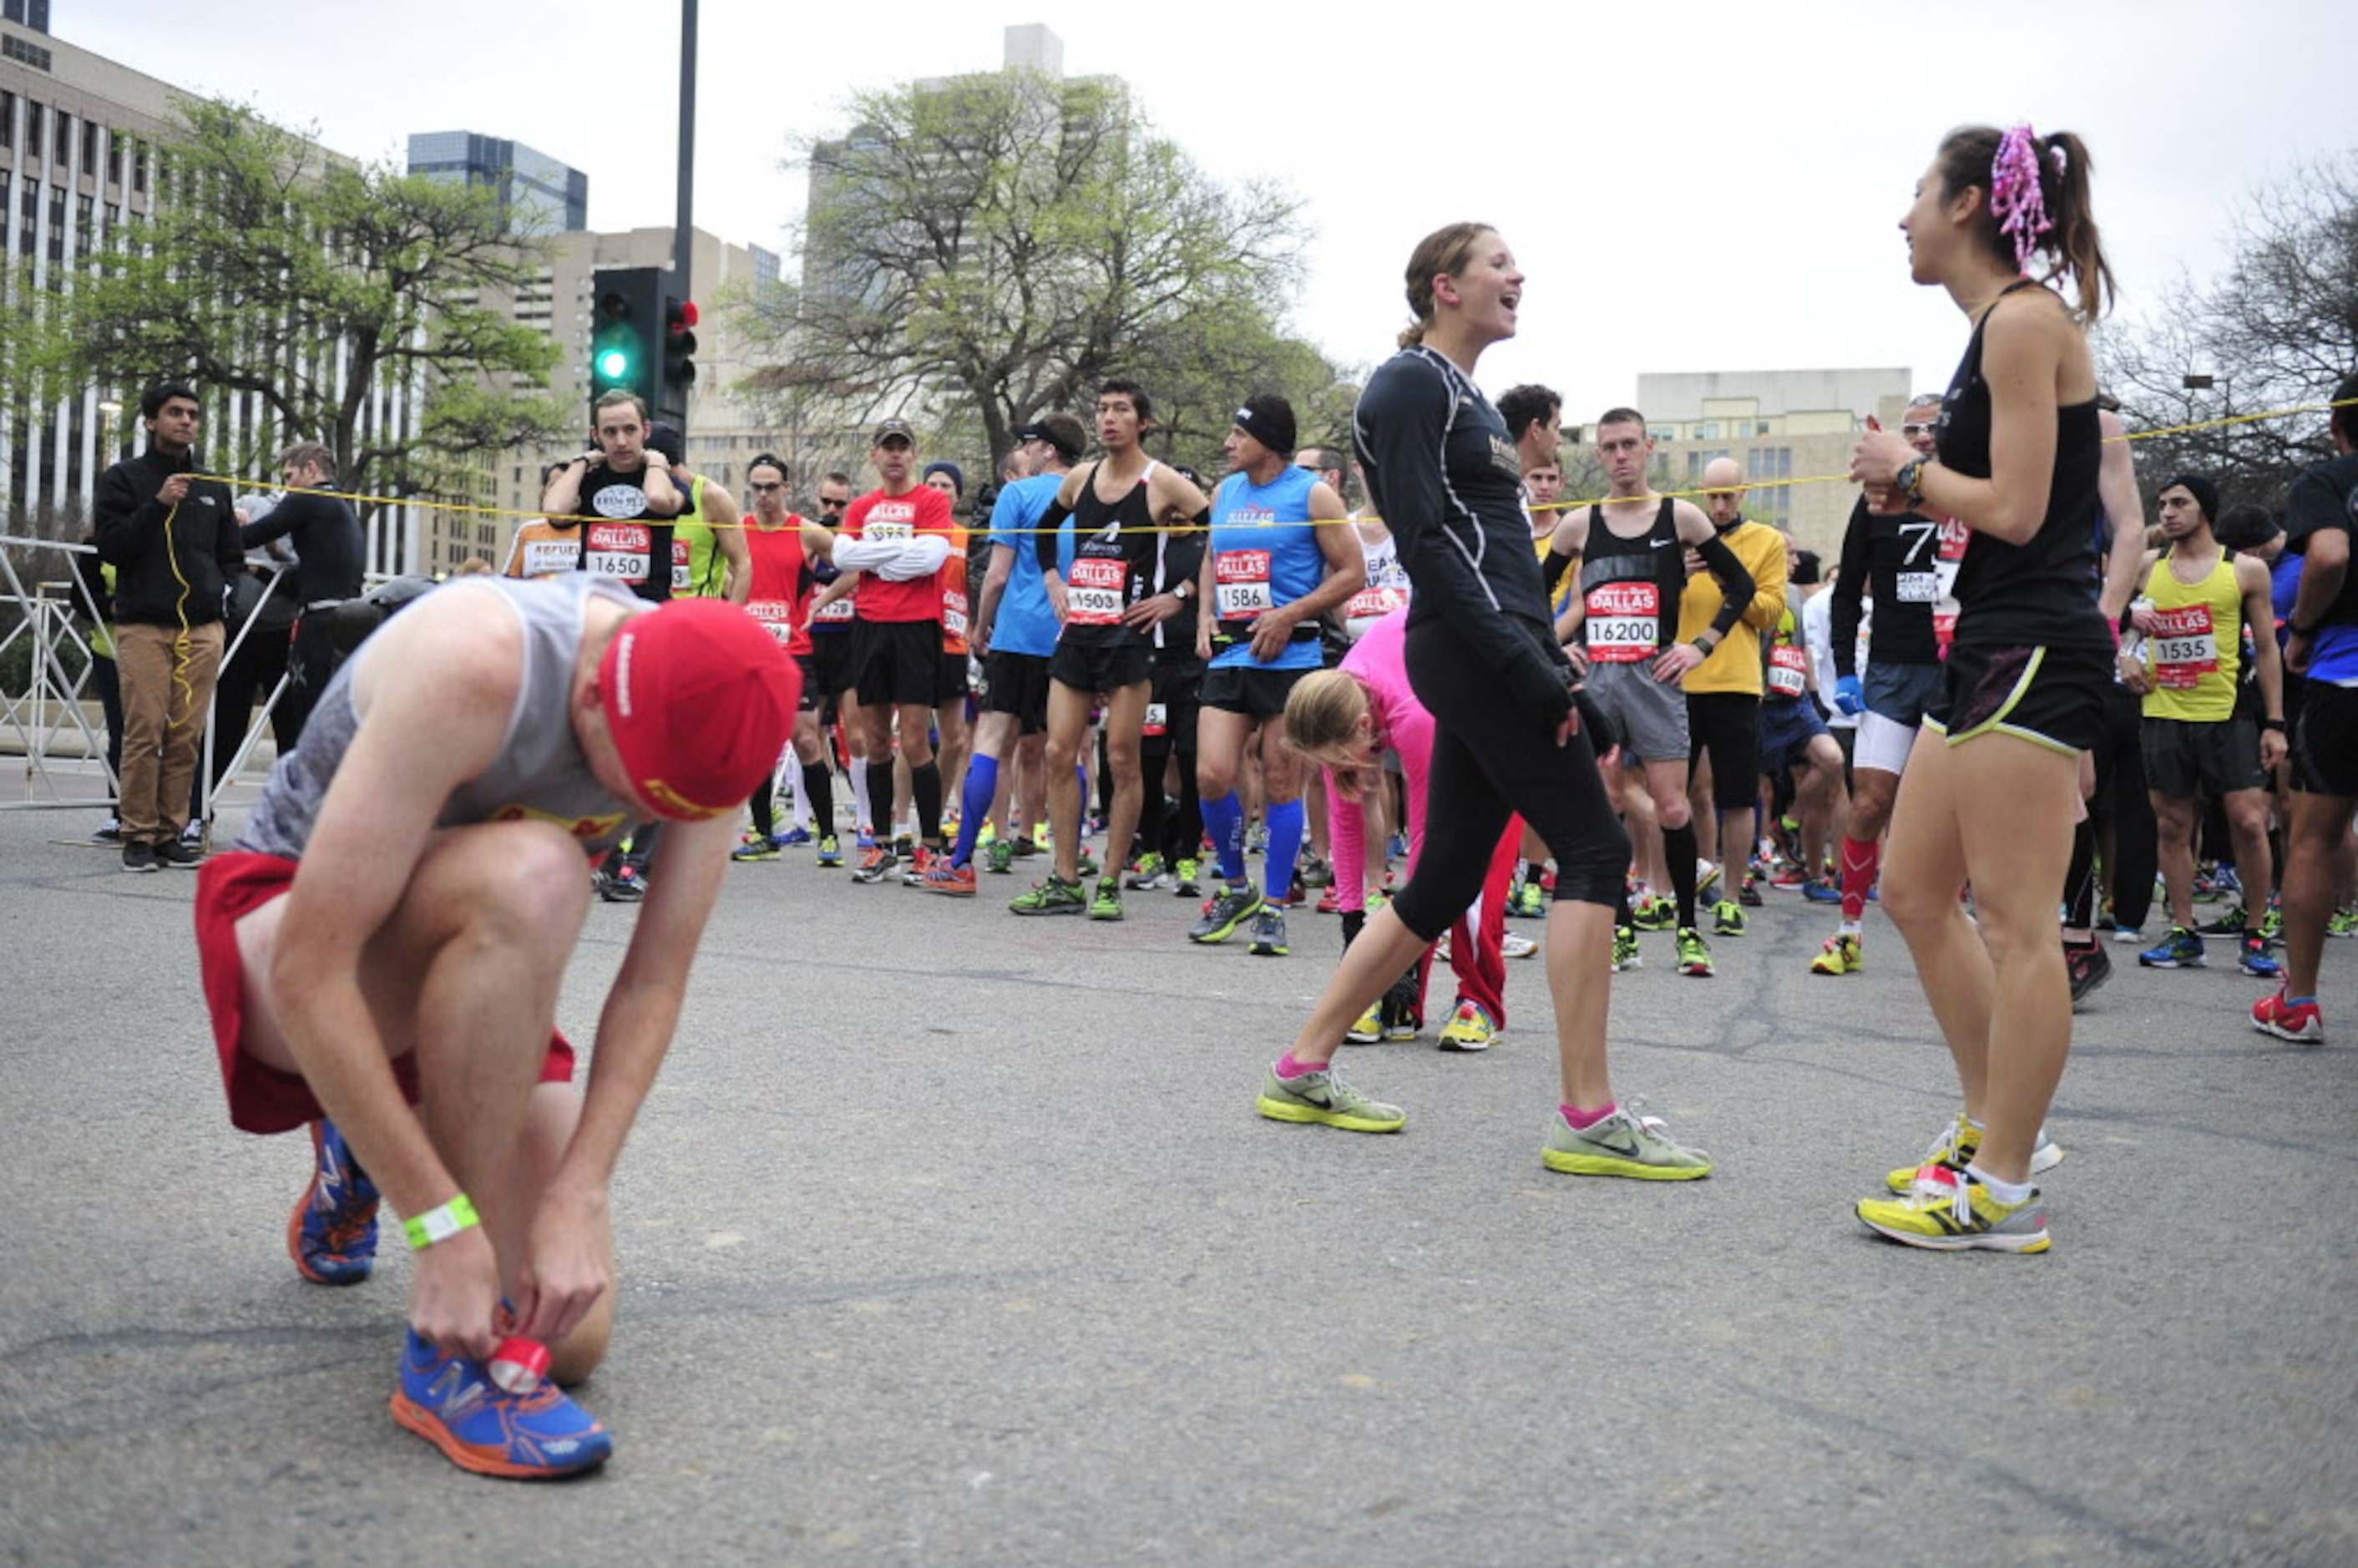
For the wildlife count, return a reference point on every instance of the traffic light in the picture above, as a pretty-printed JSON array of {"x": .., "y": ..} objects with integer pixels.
[
  {"x": 678, "y": 361},
  {"x": 625, "y": 327}
]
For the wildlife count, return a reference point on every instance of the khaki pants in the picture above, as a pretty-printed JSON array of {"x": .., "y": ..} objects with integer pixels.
[{"x": 168, "y": 684}]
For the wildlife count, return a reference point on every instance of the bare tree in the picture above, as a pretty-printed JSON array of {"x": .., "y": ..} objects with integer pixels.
[
  {"x": 985, "y": 249},
  {"x": 2278, "y": 329}
]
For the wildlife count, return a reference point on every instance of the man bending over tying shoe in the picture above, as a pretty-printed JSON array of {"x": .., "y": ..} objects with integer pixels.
[{"x": 386, "y": 945}]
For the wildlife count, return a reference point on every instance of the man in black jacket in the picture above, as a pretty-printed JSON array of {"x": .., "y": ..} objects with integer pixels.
[
  {"x": 328, "y": 551},
  {"x": 172, "y": 539}
]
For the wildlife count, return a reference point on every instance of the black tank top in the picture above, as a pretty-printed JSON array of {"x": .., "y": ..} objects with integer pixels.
[
  {"x": 1643, "y": 577},
  {"x": 1115, "y": 549},
  {"x": 2042, "y": 592}
]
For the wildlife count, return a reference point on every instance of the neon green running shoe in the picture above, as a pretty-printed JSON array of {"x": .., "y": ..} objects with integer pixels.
[
  {"x": 1055, "y": 896},
  {"x": 1324, "y": 1098},
  {"x": 1222, "y": 915},
  {"x": 1950, "y": 1211},
  {"x": 1107, "y": 905},
  {"x": 1622, "y": 1144}
]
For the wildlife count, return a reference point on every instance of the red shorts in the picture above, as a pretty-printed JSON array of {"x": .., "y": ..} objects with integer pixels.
[{"x": 231, "y": 885}]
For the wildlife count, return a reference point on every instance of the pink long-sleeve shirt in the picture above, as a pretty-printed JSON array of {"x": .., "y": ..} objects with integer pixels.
[{"x": 1379, "y": 660}]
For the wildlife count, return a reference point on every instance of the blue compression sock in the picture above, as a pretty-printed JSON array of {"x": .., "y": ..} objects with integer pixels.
[
  {"x": 974, "y": 805},
  {"x": 1284, "y": 821},
  {"x": 1224, "y": 819}
]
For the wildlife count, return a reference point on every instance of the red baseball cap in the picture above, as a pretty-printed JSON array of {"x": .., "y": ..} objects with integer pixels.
[{"x": 700, "y": 701}]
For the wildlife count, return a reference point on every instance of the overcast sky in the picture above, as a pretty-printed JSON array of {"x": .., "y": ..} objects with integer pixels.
[{"x": 1692, "y": 185}]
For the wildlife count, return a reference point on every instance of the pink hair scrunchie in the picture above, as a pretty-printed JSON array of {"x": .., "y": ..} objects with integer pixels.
[{"x": 2016, "y": 199}]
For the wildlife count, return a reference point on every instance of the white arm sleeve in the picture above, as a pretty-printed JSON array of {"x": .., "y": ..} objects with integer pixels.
[{"x": 911, "y": 559}]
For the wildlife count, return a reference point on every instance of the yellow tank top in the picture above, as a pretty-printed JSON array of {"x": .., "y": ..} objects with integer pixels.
[{"x": 2196, "y": 653}]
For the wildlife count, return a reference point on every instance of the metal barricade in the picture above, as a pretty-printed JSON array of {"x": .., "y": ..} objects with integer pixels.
[{"x": 51, "y": 714}]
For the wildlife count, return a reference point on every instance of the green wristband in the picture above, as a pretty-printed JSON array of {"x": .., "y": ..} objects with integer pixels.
[{"x": 440, "y": 1224}]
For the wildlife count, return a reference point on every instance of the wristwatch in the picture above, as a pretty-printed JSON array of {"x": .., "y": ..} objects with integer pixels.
[
  {"x": 1910, "y": 479},
  {"x": 1183, "y": 591}
]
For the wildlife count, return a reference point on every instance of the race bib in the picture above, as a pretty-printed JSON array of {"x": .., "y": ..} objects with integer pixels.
[
  {"x": 682, "y": 578},
  {"x": 2185, "y": 647},
  {"x": 954, "y": 613},
  {"x": 892, "y": 522},
  {"x": 837, "y": 609},
  {"x": 1624, "y": 622},
  {"x": 1093, "y": 597},
  {"x": 1158, "y": 719},
  {"x": 1369, "y": 603},
  {"x": 545, "y": 557},
  {"x": 619, "y": 550},
  {"x": 1242, "y": 584},
  {"x": 1787, "y": 670},
  {"x": 1920, "y": 587},
  {"x": 776, "y": 616},
  {"x": 1954, "y": 538}
]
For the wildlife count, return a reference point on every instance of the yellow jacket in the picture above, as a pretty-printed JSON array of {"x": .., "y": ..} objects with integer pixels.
[{"x": 1735, "y": 664}]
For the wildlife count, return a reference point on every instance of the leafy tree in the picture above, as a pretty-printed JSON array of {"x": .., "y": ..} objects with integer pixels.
[
  {"x": 2278, "y": 329},
  {"x": 317, "y": 290},
  {"x": 986, "y": 249}
]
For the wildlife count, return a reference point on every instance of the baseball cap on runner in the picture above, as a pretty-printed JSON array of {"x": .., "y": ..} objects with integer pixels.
[
  {"x": 700, "y": 701},
  {"x": 1061, "y": 431},
  {"x": 888, "y": 429}
]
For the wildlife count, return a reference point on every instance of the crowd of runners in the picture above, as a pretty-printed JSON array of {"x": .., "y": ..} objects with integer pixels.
[{"x": 1421, "y": 691}]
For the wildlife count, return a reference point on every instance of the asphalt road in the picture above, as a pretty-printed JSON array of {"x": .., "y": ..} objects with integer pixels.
[{"x": 953, "y": 1238}]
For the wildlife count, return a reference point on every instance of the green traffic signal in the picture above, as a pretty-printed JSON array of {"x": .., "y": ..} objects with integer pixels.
[{"x": 626, "y": 333}]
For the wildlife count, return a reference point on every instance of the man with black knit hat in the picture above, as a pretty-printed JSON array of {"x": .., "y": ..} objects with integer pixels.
[
  {"x": 1280, "y": 559},
  {"x": 2198, "y": 601}
]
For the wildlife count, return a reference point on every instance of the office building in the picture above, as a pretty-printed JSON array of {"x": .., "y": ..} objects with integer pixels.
[
  {"x": 1789, "y": 428},
  {"x": 724, "y": 429},
  {"x": 538, "y": 196},
  {"x": 78, "y": 139}
]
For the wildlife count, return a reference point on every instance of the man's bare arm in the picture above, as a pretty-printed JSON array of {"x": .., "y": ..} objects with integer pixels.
[{"x": 728, "y": 537}]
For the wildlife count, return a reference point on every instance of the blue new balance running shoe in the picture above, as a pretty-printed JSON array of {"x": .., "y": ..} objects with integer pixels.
[
  {"x": 332, "y": 1234},
  {"x": 452, "y": 1404}
]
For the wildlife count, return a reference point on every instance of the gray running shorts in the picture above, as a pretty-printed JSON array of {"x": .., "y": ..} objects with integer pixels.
[{"x": 1652, "y": 717}]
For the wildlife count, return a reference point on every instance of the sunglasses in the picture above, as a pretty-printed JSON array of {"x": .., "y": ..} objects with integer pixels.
[
  {"x": 767, "y": 488},
  {"x": 1912, "y": 430},
  {"x": 829, "y": 504}
]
